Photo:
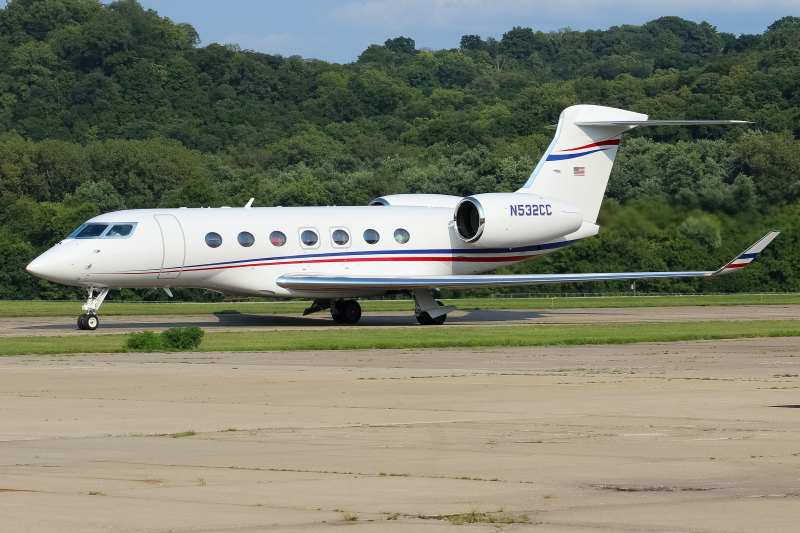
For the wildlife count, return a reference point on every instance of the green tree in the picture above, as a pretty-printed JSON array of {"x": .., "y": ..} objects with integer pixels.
[
  {"x": 773, "y": 160},
  {"x": 472, "y": 42},
  {"x": 520, "y": 43},
  {"x": 401, "y": 46}
]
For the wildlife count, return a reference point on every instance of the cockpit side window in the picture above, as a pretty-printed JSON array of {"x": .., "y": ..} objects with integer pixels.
[
  {"x": 89, "y": 231},
  {"x": 120, "y": 231}
]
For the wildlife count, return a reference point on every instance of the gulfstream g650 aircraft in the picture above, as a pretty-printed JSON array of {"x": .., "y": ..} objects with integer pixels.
[{"x": 407, "y": 243}]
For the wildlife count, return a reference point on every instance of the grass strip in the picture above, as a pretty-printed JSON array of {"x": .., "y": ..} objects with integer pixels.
[
  {"x": 10, "y": 308},
  {"x": 425, "y": 337}
]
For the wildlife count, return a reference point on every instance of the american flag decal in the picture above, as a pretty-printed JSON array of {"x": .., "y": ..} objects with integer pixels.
[{"x": 580, "y": 171}]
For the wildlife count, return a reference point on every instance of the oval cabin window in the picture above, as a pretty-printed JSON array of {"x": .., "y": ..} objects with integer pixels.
[
  {"x": 277, "y": 238},
  {"x": 401, "y": 236},
  {"x": 214, "y": 240},
  {"x": 371, "y": 236},
  {"x": 309, "y": 238},
  {"x": 340, "y": 237},
  {"x": 246, "y": 239}
]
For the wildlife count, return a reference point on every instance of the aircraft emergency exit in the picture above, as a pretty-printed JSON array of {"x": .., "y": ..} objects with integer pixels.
[{"x": 398, "y": 243}]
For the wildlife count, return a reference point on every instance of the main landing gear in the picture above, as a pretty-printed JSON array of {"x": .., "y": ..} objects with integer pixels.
[
  {"x": 430, "y": 312},
  {"x": 89, "y": 319},
  {"x": 342, "y": 311},
  {"x": 346, "y": 311},
  {"x": 424, "y": 318}
]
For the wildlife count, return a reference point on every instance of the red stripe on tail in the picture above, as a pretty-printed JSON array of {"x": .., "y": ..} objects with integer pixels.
[{"x": 612, "y": 142}]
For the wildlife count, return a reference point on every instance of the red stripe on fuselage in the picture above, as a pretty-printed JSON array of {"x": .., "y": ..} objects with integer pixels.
[{"x": 612, "y": 142}]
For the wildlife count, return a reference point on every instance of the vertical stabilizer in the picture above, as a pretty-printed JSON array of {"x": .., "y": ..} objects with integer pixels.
[{"x": 576, "y": 165}]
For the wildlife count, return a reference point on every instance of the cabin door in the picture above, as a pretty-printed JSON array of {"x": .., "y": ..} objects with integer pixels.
[{"x": 174, "y": 246}]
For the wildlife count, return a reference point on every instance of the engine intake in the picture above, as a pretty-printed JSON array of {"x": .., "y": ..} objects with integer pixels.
[
  {"x": 470, "y": 220},
  {"x": 507, "y": 220}
]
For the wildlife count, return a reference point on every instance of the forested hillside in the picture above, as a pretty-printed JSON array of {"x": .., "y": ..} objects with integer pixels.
[{"x": 110, "y": 106}]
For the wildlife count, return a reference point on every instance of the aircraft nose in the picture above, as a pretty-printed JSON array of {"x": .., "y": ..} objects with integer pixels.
[{"x": 46, "y": 266}]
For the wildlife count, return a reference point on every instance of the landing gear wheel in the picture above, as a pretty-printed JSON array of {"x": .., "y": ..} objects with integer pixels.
[
  {"x": 351, "y": 311},
  {"x": 425, "y": 319},
  {"x": 346, "y": 312},
  {"x": 336, "y": 312},
  {"x": 82, "y": 321},
  {"x": 337, "y": 316},
  {"x": 91, "y": 322}
]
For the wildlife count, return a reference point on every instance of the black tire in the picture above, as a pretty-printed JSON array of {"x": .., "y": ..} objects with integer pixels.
[
  {"x": 91, "y": 322},
  {"x": 82, "y": 321},
  {"x": 351, "y": 311},
  {"x": 337, "y": 311},
  {"x": 425, "y": 319}
]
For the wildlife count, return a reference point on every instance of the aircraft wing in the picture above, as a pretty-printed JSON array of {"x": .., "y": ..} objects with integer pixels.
[{"x": 320, "y": 282}]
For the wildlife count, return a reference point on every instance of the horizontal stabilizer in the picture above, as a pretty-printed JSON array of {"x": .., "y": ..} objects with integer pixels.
[
  {"x": 660, "y": 122},
  {"x": 319, "y": 282}
]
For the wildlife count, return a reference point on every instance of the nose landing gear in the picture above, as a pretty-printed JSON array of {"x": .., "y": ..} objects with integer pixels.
[
  {"x": 86, "y": 321},
  {"x": 89, "y": 320}
]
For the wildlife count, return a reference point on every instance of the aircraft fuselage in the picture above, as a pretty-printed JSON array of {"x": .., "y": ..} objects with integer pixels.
[{"x": 168, "y": 248}]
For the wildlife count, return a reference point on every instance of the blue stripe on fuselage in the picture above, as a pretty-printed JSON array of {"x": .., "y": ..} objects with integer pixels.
[{"x": 442, "y": 251}]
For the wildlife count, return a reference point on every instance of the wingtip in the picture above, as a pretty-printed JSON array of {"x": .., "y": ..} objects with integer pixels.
[{"x": 747, "y": 257}]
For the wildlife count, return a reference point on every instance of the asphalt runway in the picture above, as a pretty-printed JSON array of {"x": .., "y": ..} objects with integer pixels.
[
  {"x": 688, "y": 436},
  {"x": 237, "y": 321}
]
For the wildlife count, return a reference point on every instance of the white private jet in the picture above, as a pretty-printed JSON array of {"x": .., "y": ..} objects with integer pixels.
[{"x": 409, "y": 243}]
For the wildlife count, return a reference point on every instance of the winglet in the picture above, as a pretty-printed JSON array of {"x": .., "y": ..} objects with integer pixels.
[{"x": 744, "y": 258}]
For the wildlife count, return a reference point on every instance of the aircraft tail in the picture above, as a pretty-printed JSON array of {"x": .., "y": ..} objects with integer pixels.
[{"x": 576, "y": 166}]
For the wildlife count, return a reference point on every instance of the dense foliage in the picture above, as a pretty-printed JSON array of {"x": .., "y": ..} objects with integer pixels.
[
  {"x": 182, "y": 339},
  {"x": 172, "y": 340},
  {"x": 110, "y": 106},
  {"x": 144, "y": 341}
]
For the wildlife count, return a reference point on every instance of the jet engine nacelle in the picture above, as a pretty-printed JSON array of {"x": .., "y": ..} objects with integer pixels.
[
  {"x": 506, "y": 220},
  {"x": 418, "y": 200}
]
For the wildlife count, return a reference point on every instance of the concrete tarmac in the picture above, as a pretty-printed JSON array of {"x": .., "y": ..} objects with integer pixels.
[
  {"x": 688, "y": 436},
  {"x": 237, "y": 321}
]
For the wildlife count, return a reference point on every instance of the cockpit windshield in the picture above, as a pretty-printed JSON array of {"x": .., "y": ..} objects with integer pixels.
[
  {"x": 89, "y": 231},
  {"x": 94, "y": 230}
]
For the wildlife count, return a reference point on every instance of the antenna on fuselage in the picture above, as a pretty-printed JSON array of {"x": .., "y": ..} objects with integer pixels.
[{"x": 249, "y": 204}]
